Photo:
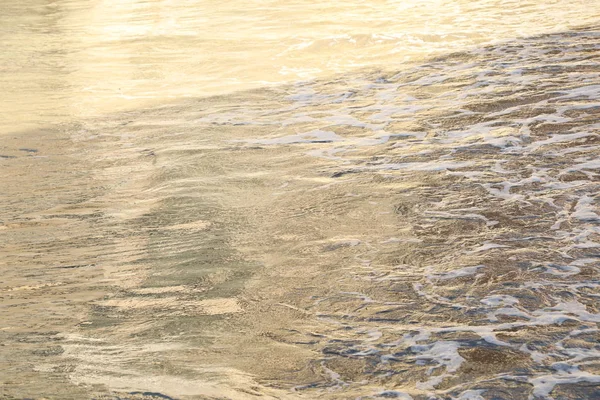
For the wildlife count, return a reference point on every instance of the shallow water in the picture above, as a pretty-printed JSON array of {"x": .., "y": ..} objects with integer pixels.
[
  {"x": 72, "y": 59},
  {"x": 415, "y": 230}
]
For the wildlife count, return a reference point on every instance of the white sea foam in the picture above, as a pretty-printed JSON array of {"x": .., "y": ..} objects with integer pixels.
[
  {"x": 487, "y": 246},
  {"x": 466, "y": 271},
  {"x": 499, "y": 300},
  {"x": 543, "y": 385},
  {"x": 495, "y": 152},
  {"x": 444, "y": 354},
  {"x": 471, "y": 395}
]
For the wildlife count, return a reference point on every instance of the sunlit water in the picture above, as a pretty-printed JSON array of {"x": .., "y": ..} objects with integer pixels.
[
  {"x": 78, "y": 58},
  {"x": 300, "y": 201}
]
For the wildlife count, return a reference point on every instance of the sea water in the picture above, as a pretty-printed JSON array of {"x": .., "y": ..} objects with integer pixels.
[{"x": 300, "y": 200}]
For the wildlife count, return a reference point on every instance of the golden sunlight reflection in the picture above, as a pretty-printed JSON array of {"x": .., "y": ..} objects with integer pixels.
[
  {"x": 299, "y": 199},
  {"x": 76, "y": 58}
]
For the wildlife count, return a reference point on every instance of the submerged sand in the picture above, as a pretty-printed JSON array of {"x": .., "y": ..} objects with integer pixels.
[{"x": 424, "y": 233}]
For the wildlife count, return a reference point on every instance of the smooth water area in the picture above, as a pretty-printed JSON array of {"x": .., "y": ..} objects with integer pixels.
[
  {"x": 270, "y": 200},
  {"x": 65, "y": 60}
]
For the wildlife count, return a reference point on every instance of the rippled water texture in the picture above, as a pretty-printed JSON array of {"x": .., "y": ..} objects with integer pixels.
[{"x": 422, "y": 228}]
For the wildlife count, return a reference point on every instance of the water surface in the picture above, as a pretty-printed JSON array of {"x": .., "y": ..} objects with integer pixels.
[
  {"x": 72, "y": 59},
  {"x": 300, "y": 201}
]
